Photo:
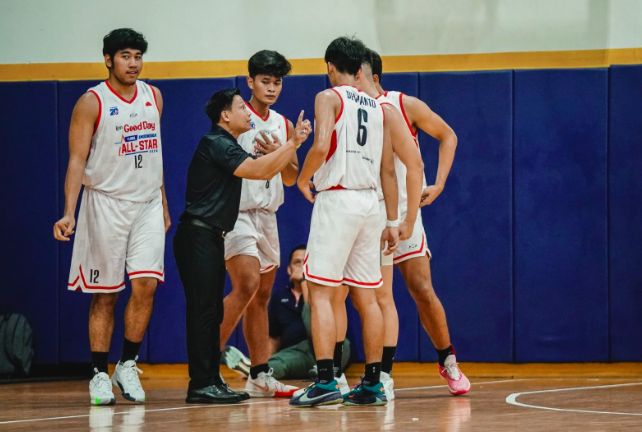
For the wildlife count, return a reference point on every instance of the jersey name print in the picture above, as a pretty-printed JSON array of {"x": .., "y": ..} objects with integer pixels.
[
  {"x": 354, "y": 159},
  {"x": 125, "y": 159}
]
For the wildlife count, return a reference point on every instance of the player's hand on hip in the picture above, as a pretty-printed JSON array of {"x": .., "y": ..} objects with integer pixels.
[
  {"x": 430, "y": 194},
  {"x": 64, "y": 228},
  {"x": 265, "y": 145},
  {"x": 405, "y": 229},
  {"x": 302, "y": 130},
  {"x": 306, "y": 190},
  {"x": 389, "y": 240}
]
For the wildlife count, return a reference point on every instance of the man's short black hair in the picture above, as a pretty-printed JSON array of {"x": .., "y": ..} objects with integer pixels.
[
  {"x": 219, "y": 102},
  {"x": 346, "y": 54},
  {"x": 376, "y": 64},
  {"x": 269, "y": 63},
  {"x": 122, "y": 38},
  {"x": 299, "y": 247}
]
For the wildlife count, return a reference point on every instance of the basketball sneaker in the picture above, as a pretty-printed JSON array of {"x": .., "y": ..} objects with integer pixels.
[
  {"x": 344, "y": 388},
  {"x": 318, "y": 394},
  {"x": 366, "y": 395},
  {"x": 388, "y": 385},
  {"x": 236, "y": 360},
  {"x": 265, "y": 385},
  {"x": 100, "y": 389},
  {"x": 126, "y": 379},
  {"x": 458, "y": 384}
]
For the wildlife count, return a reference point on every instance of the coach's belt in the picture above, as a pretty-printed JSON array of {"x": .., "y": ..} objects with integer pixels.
[{"x": 200, "y": 223}]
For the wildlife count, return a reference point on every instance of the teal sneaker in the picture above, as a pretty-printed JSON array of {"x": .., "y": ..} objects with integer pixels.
[
  {"x": 366, "y": 395},
  {"x": 318, "y": 394}
]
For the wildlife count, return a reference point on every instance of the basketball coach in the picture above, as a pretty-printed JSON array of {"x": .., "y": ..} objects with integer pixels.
[{"x": 213, "y": 197}]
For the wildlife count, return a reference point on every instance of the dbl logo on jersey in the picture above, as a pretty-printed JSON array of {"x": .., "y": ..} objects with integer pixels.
[
  {"x": 252, "y": 125},
  {"x": 113, "y": 111}
]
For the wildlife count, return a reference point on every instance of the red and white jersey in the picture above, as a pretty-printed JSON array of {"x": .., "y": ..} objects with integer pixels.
[
  {"x": 125, "y": 159},
  {"x": 261, "y": 194},
  {"x": 396, "y": 99},
  {"x": 354, "y": 159}
]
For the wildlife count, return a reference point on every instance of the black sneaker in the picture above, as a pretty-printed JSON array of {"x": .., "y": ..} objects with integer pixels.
[{"x": 366, "y": 395}]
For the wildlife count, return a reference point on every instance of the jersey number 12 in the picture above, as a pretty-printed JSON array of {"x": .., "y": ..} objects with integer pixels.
[
  {"x": 362, "y": 132},
  {"x": 138, "y": 161}
]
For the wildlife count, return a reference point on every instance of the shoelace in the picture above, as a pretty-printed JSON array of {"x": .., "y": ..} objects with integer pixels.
[
  {"x": 271, "y": 381},
  {"x": 101, "y": 383},
  {"x": 452, "y": 370},
  {"x": 131, "y": 375}
]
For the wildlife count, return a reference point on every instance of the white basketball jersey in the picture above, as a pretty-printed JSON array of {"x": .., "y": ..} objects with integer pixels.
[
  {"x": 396, "y": 99},
  {"x": 125, "y": 160},
  {"x": 354, "y": 159},
  {"x": 261, "y": 194}
]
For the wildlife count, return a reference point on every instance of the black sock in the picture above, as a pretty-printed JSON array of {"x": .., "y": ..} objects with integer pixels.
[
  {"x": 387, "y": 359},
  {"x": 325, "y": 370},
  {"x": 256, "y": 370},
  {"x": 373, "y": 374},
  {"x": 130, "y": 350},
  {"x": 338, "y": 357},
  {"x": 100, "y": 360},
  {"x": 445, "y": 353}
]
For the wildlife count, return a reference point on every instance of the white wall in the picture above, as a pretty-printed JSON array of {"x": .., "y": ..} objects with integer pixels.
[{"x": 56, "y": 31}]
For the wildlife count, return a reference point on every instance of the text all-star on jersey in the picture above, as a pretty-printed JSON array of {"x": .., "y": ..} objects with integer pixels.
[
  {"x": 354, "y": 159},
  {"x": 125, "y": 160},
  {"x": 261, "y": 194},
  {"x": 396, "y": 99}
]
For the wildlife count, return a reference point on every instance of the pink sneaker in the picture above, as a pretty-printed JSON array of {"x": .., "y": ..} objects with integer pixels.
[{"x": 458, "y": 384}]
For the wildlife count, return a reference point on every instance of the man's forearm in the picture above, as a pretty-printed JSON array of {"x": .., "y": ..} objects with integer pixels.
[
  {"x": 390, "y": 194},
  {"x": 414, "y": 188},
  {"x": 275, "y": 162},
  {"x": 73, "y": 182},
  {"x": 312, "y": 163},
  {"x": 446, "y": 157}
]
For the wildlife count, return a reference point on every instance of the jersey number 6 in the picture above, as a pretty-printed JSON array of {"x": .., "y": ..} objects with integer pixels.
[{"x": 362, "y": 133}]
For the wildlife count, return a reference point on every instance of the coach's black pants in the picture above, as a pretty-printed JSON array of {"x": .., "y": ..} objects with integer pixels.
[{"x": 200, "y": 257}]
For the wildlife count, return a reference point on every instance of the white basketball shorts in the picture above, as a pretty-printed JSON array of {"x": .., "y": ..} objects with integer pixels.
[
  {"x": 255, "y": 234},
  {"x": 416, "y": 246},
  {"x": 113, "y": 235},
  {"x": 344, "y": 242}
]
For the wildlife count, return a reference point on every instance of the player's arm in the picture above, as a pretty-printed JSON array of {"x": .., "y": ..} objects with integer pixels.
[
  {"x": 81, "y": 130},
  {"x": 421, "y": 116},
  {"x": 327, "y": 106},
  {"x": 159, "y": 104},
  {"x": 406, "y": 150},
  {"x": 291, "y": 171},
  {"x": 268, "y": 166},
  {"x": 390, "y": 192}
]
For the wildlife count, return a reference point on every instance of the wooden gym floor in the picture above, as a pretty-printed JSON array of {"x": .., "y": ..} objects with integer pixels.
[{"x": 533, "y": 397}]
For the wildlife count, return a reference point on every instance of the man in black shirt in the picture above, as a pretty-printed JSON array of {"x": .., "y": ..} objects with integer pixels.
[{"x": 212, "y": 205}]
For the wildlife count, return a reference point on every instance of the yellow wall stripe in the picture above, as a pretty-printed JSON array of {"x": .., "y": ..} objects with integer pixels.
[{"x": 417, "y": 63}]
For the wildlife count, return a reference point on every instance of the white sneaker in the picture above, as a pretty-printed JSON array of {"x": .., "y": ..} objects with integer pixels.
[
  {"x": 265, "y": 385},
  {"x": 388, "y": 385},
  {"x": 126, "y": 379},
  {"x": 100, "y": 389},
  {"x": 344, "y": 388}
]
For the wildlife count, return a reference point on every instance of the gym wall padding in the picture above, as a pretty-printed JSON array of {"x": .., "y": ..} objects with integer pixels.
[
  {"x": 468, "y": 226},
  {"x": 29, "y": 193},
  {"x": 560, "y": 219},
  {"x": 535, "y": 238},
  {"x": 625, "y": 212}
]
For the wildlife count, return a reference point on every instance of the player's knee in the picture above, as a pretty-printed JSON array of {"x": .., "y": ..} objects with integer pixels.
[
  {"x": 422, "y": 290},
  {"x": 262, "y": 297},
  {"x": 247, "y": 288},
  {"x": 104, "y": 302}
]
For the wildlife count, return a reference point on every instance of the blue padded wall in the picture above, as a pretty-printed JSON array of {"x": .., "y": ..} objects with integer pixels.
[
  {"x": 469, "y": 225},
  {"x": 183, "y": 124},
  {"x": 29, "y": 175},
  {"x": 74, "y": 306},
  {"x": 625, "y": 212},
  {"x": 560, "y": 161}
]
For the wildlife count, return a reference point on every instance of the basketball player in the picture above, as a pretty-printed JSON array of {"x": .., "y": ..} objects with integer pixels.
[
  {"x": 252, "y": 252},
  {"x": 413, "y": 256},
  {"x": 115, "y": 151},
  {"x": 350, "y": 156}
]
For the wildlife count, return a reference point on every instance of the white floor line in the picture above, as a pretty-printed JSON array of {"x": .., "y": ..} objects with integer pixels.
[
  {"x": 512, "y": 399},
  {"x": 226, "y": 405},
  {"x": 475, "y": 383}
]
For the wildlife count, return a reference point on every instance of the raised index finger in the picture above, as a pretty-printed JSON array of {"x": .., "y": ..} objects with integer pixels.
[{"x": 298, "y": 122}]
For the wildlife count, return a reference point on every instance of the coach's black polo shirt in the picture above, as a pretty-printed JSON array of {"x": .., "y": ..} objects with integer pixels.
[
  {"x": 284, "y": 314},
  {"x": 213, "y": 191}
]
